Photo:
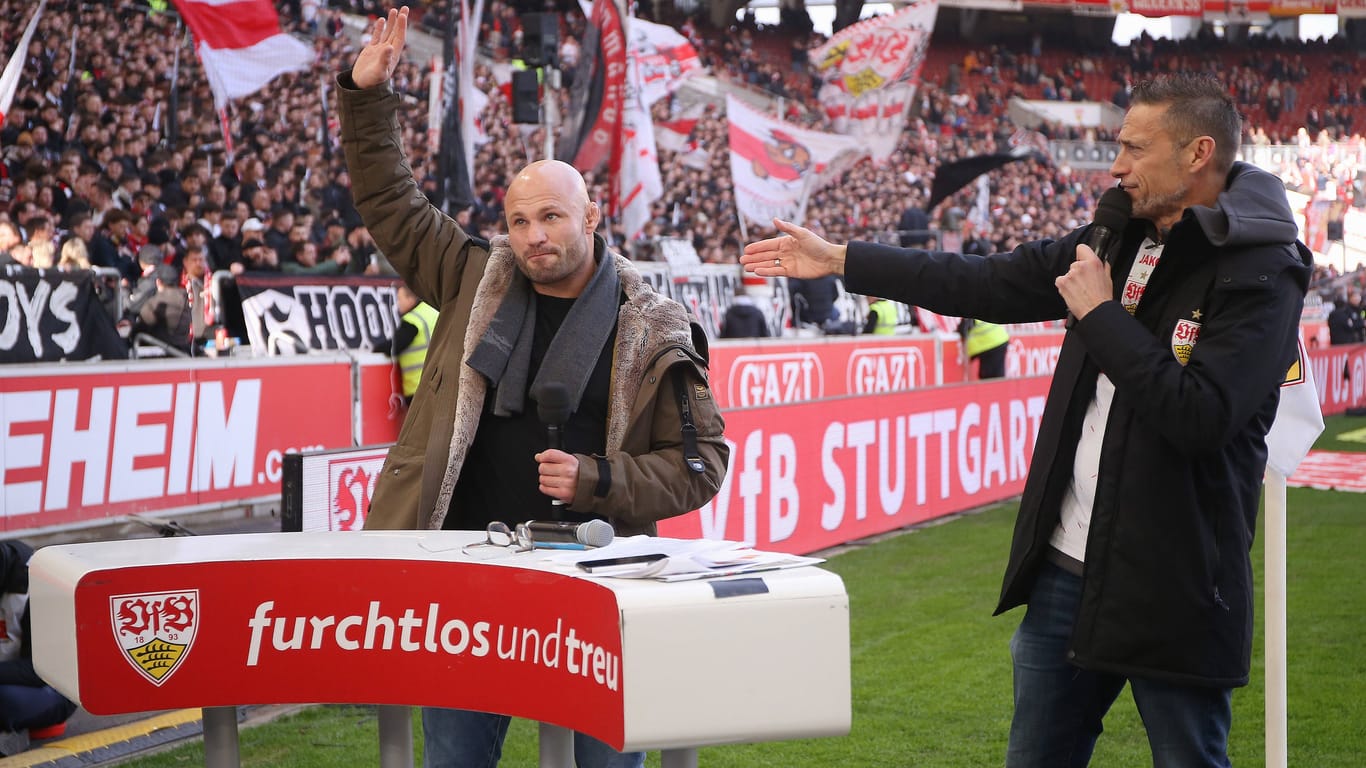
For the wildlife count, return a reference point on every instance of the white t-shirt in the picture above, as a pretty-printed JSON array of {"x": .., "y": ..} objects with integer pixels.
[{"x": 1074, "y": 524}]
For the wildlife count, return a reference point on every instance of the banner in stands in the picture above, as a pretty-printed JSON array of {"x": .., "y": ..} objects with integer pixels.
[
  {"x": 706, "y": 294},
  {"x": 812, "y": 475},
  {"x": 48, "y": 315},
  {"x": 292, "y": 314},
  {"x": 83, "y": 443}
]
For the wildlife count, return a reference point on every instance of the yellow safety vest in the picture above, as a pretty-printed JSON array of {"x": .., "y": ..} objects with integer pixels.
[
  {"x": 410, "y": 360},
  {"x": 984, "y": 336},
  {"x": 886, "y": 317}
]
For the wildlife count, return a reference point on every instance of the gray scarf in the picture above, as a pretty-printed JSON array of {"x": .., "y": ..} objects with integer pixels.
[{"x": 503, "y": 356}]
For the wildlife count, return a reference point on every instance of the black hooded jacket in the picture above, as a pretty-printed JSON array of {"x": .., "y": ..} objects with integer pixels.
[{"x": 1168, "y": 588}]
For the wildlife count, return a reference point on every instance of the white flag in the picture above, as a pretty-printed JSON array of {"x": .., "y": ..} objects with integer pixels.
[
  {"x": 9, "y": 80},
  {"x": 871, "y": 70},
  {"x": 665, "y": 58},
  {"x": 640, "y": 183},
  {"x": 775, "y": 166},
  {"x": 1299, "y": 421}
]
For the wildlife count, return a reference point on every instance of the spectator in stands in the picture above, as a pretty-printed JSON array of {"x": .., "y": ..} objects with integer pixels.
[
  {"x": 277, "y": 235},
  {"x": 226, "y": 248},
  {"x": 256, "y": 257},
  {"x": 1346, "y": 324},
  {"x": 362, "y": 246},
  {"x": 743, "y": 318},
  {"x": 112, "y": 248},
  {"x": 9, "y": 238},
  {"x": 1163, "y": 452},
  {"x": 20, "y": 255},
  {"x": 41, "y": 243},
  {"x": 74, "y": 257},
  {"x": 166, "y": 315},
  {"x": 304, "y": 261},
  {"x": 195, "y": 278},
  {"x": 253, "y": 229},
  {"x": 27, "y": 703},
  {"x": 145, "y": 287},
  {"x": 556, "y": 305}
]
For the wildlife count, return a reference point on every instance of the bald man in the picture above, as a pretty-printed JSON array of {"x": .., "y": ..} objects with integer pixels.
[{"x": 545, "y": 307}]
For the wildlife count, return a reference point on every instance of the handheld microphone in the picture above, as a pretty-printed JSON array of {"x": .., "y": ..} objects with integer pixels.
[
  {"x": 594, "y": 533},
  {"x": 553, "y": 408},
  {"x": 1107, "y": 228}
]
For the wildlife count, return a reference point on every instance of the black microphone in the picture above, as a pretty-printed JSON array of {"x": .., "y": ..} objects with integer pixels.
[
  {"x": 553, "y": 408},
  {"x": 1107, "y": 228},
  {"x": 594, "y": 533},
  {"x": 1112, "y": 217}
]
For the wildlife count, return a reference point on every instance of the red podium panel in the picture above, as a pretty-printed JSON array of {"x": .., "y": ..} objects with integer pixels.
[{"x": 407, "y": 618}]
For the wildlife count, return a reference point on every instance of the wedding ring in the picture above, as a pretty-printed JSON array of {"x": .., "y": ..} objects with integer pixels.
[{"x": 777, "y": 262}]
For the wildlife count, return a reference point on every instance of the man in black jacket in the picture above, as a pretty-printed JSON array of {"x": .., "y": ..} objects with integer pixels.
[{"x": 1132, "y": 544}]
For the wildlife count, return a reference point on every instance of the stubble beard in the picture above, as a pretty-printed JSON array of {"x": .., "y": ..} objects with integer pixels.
[{"x": 565, "y": 262}]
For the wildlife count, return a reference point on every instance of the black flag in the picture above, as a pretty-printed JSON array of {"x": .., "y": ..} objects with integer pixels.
[
  {"x": 951, "y": 177},
  {"x": 453, "y": 178}
]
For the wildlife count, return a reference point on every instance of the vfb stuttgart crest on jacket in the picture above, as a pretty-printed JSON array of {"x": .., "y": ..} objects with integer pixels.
[{"x": 155, "y": 630}]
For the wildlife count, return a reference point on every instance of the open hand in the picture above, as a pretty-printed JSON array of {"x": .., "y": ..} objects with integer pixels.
[
  {"x": 798, "y": 252},
  {"x": 380, "y": 56}
]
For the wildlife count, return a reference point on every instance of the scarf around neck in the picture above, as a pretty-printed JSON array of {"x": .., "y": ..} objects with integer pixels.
[{"x": 503, "y": 355}]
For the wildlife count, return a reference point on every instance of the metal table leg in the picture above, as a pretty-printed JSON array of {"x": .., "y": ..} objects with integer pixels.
[
  {"x": 220, "y": 737},
  {"x": 395, "y": 736},
  {"x": 557, "y": 747},
  {"x": 679, "y": 758}
]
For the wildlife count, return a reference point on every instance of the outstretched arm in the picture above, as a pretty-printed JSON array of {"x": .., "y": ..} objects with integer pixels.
[
  {"x": 380, "y": 56},
  {"x": 798, "y": 252}
]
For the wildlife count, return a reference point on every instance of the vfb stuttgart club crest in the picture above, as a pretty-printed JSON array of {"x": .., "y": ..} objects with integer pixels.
[{"x": 155, "y": 630}]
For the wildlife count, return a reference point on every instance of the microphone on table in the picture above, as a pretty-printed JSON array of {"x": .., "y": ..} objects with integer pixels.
[
  {"x": 550, "y": 533},
  {"x": 553, "y": 408},
  {"x": 1107, "y": 228}
]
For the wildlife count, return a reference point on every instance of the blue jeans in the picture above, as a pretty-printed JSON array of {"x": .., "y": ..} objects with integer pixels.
[
  {"x": 1059, "y": 706},
  {"x": 27, "y": 706},
  {"x": 458, "y": 738}
]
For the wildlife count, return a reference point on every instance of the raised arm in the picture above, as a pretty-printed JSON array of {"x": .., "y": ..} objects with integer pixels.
[{"x": 380, "y": 56}]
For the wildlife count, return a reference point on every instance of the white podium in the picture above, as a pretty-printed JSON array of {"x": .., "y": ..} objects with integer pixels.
[{"x": 406, "y": 618}]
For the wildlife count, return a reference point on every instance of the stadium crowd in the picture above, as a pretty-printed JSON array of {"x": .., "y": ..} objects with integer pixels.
[{"x": 112, "y": 154}]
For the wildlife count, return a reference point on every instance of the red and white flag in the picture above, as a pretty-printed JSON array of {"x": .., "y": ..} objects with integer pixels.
[
  {"x": 639, "y": 183},
  {"x": 676, "y": 135},
  {"x": 241, "y": 45},
  {"x": 9, "y": 80},
  {"x": 871, "y": 70},
  {"x": 665, "y": 58},
  {"x": 775, "y": 166}
]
